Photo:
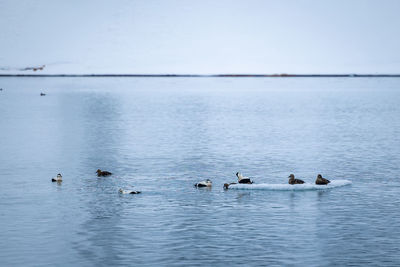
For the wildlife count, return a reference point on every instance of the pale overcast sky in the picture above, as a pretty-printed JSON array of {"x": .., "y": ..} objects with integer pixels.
[{"x": 177, "y": 36}]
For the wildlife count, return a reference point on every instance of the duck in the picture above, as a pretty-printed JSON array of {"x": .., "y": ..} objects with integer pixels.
[
  {"x": 321, "y": 181},
  {"x": 58, "y": 178},
  {"x": 292, "y": 180},
  {"x": 101, "y": 173},
  {"x": 128, "y": 191},
  {"x": 242, "y": 179},
  {"x": 206, "y": 183},
  {"x": 42, "y": 94},
  {"x": 226, "y": 185}
]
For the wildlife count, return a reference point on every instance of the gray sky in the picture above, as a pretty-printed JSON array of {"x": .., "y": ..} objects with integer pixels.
[{"x": 176, "y": 36}]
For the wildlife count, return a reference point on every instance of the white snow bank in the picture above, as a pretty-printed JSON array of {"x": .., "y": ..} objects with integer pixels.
[{"x": 288, "y": 187}]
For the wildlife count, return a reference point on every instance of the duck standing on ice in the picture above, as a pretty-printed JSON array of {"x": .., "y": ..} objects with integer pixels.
[
  {"x": 242, "y": 179},
  {"x": 206, "y": 183},
  {"x": 321, "y": 181},
  {"x": 101, "y": 173},
  {"x": 57, "y": 179},
  {"x": 292, "y": 180}
]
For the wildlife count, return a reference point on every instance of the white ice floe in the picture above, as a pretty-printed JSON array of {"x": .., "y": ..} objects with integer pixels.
[{"x": 289, "y": 187}]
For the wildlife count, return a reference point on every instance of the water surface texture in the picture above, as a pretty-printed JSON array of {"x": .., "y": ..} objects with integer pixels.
[{"x": 161, "y": 135}]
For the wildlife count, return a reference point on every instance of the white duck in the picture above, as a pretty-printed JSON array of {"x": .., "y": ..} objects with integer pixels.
[
  {"x": 242, "y": 179},
  {"x": 206, "y": 183},
  {"x": 58, "y": 178},
  {"x": 128, "y": 191}
]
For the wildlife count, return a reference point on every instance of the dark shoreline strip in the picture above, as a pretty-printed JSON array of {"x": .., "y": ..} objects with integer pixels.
[{"x": 211, "y": 75}]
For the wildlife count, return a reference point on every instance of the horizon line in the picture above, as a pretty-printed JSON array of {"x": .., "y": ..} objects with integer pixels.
[{"x": 238, "y": 75}]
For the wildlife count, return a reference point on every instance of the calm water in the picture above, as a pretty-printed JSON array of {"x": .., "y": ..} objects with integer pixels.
[{"x": 163, "y": 135}]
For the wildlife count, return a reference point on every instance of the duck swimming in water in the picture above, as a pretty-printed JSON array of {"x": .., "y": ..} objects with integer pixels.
[
  {"x": 101, "y": 173},
  {"x": 42, "y": 94},
  {"x": 294, "y": 181},
  {"x": 128, "y": 191},
  {"x": 321, "y": 181},
  {"x": 226, "y": 185},
  {"x": 206, "y": 183},
  {"x": 58, "y": 178},
  {"x": 242, "y": 179}
]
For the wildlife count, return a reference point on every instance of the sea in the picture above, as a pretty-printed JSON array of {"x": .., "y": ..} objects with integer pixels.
[{"x": 161, "y": 135}]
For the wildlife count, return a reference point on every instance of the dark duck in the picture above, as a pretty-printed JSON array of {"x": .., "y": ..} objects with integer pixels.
[
  {"x": 321, "y": 181},
  {"x": 226, "y": 185},
  {"x": 292, "y": 180},
  {"x": 101, "y": 173}
]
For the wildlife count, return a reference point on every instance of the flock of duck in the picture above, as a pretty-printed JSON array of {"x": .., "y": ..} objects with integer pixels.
[
  {"x": 246, "y": 180},
  {"x": 100, "y": 173},
  {"x": 208, "y": 183}
]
